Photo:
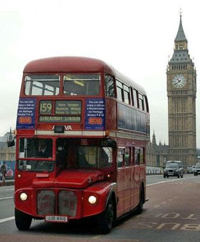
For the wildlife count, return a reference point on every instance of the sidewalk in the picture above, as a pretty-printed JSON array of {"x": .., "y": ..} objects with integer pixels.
[{"x": 8, "y": 183}]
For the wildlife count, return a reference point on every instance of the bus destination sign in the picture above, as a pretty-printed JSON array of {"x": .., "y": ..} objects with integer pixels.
[
  {"x": 68, "y": 107},
  {"x": 59, "y": 119}
]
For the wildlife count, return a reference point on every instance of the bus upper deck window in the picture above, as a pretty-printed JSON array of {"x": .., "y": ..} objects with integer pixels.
[
  {"x": 127, "y": 94},
  {"x": 42, "y": 85},
  {"x": 109, "y": 86},
  {"x": 81, "y": 84},
  {"x": 119, "y": 90}
]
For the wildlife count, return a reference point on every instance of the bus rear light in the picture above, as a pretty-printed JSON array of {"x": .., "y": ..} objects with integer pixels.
[{"x": 23, "y": 196}]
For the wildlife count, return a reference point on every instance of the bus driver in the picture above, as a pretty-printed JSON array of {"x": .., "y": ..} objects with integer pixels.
[{"x": 43, "y": 149}]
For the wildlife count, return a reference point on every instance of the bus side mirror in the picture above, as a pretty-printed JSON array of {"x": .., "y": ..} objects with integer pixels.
[{"x": 10, "y": 143}]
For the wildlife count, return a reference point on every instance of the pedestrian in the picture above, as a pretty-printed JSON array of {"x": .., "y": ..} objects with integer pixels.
[{"x": 3, "y": 172}]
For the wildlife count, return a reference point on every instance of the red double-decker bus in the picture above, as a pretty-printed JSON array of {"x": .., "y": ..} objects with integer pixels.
[{"x": 82, "y": 129}]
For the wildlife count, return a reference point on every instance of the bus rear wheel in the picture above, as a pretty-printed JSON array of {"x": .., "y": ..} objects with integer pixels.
[
  {"x": 106, "y": 219},
  {"x": 141, "y": 201},
  {"x": 22, "y": 220}
]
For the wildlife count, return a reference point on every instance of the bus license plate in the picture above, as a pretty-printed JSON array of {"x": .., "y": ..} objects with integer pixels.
[{"x": 58, "y": 219}]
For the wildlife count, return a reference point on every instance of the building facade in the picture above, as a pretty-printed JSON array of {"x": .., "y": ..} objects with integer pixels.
[
  {"x": 157, "y": 154},
  {"x": 181, "y": 92},
  {"x": 6, "y": 153}
]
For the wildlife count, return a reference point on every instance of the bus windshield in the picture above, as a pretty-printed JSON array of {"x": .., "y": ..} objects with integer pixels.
[
  {"x": 72, "y": 155},
  {"x": 68, "y": 155},
  {"x": 172, "y": 165},
  {"x": 81, "y": 84},
  {"x": 42, "y": 85},
  {"x": 93, "y": 156}
]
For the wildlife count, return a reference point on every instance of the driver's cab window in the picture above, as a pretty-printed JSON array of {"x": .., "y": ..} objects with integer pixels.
[{"x": 35, "y": 148}]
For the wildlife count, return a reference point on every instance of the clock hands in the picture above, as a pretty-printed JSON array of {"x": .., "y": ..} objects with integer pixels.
[{"x": 179, "y": 81}]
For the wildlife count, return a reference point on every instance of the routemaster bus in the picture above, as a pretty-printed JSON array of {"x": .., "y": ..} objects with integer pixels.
[{"x": 81, "y": 135}]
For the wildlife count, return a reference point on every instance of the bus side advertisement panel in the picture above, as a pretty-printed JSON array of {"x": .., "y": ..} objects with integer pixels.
[
  {"x": 26, "y": 113},
  {"x": 95, "y": 114}
]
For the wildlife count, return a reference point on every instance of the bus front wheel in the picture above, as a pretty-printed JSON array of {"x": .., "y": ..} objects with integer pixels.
[
  {"x": 22, "y": 220},
  {"x": 106, "y": 219}
]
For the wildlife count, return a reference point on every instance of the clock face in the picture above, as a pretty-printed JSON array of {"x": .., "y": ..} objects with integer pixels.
[{"x": 179, "y": 81}]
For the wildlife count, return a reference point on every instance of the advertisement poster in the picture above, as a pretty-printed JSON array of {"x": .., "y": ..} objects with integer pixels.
[
  {"x": 10, "y": 168},
  {"x": 26, "y": 113},
  {"x": 95, "y": 114}
]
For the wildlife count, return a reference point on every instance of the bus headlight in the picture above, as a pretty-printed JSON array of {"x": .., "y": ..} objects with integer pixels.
[
  {"x": 23, "y": 196},
  {"x": 92, "y": 199}
]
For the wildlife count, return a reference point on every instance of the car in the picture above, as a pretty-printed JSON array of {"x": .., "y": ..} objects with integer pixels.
[
  {"x": 173, "y": 168},
  {"x": 189, "y": 170},
  {"x": 197, "y": 169},
  {"x": 193, "y": 168}
]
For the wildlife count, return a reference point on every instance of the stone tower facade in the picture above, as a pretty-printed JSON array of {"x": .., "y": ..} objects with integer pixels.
[{"x": 181, "y": 92}]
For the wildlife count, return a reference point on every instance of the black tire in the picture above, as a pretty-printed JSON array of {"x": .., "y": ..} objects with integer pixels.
[
  {"x": 141, "y": 202},
  {"x": 106, "y": 219},
  {"x": 22, "y": 220}
]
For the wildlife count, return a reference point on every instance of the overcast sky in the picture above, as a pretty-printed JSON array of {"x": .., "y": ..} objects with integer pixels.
[{"x": 135, "y": 37}]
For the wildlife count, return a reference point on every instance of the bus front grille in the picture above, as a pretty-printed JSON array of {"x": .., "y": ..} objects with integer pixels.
[
  {"x": 45, "y": 202},
  {"x": 66, "y": 203}
]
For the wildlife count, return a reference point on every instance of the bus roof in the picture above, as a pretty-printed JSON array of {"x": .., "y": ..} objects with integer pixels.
[
  {"x": 66, "y": 64},
  {"x": 71, "y": 64}
]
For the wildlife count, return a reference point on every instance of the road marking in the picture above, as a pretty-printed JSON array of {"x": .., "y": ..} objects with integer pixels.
[
  {"x": 5, "y": 190},
  {"x": 5, "y": 198},
  {"x": 171, "y": 180},
  {"x": 6, "y": 219}
]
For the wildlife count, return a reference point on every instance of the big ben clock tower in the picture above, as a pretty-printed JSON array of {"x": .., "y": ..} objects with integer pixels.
[{"x": 181, "y": 92}]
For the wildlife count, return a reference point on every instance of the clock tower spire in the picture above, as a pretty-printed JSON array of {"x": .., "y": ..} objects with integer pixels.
[
  {"x": 181, "y": 92},
  {"x": 180, "y": 37}
]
